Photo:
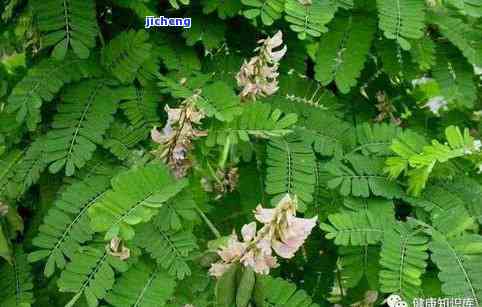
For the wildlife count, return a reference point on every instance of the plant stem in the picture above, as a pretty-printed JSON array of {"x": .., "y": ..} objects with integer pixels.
[
  {"x": 208, "y": 222},
  {"x": 224, "y": 157}
]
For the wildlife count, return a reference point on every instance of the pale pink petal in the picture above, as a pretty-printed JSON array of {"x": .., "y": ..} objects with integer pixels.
[
  {"x": 156, "y": 136},
  {"x": 263, "y": 215},
  {"x": 248, "y": 231},
  {"x": 264, "y": 245},
  {"x": 218, "y": 269},
  {"x": 276, "y": 40},
  {"x": 276, "y": 56},
  {"x": 284, "y": 250},
  {"x": 302, "y": 225}
]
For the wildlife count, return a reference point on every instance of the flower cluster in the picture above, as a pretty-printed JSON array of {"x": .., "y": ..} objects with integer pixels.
[
  {"x": 116, "y": 249},
  {"x": 435, "y": 104},
  {"x": 258, "y": 77},
  {"x": 282, "y": 232},
  {"x": 226, "y": 181},
  {"x": 386, "y": 109},
  {"x": 177, "y": 135}
]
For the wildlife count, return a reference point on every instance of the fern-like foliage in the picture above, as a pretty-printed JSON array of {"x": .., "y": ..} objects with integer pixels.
[
  {"x": 171, "y": 50},
  {"x": 331, "y": 136},
  {"x": 290, "y": 169},
  {"x": 459, "y": 33},
  {"x": 22, "y": 169},
  {"x": 257, "y": 119},
  {"x": 361, "y": 176},
  {"x": 121, "y": 138},
  {"x": 142, "y": 111},
  {"x": 42, "y": 83},
  {"x": 309, "y": 19},
  {"x": 224, "y": 8},
  {"x": 455, "y": 79},
  {"x": 467, "y": 7},
  {"x": 355, "y": 228},
  {"x": 447, "y": 210},
  {"x": 210, "y": 32},
  {"x": 143, "y": 285},
  {"x": 8, "y": 162},
  {"x": 343, "y": 50},
  {"x": 178, "y": 213},
  {"x": 17, "y": 281},
  {"x": 66, "y": 225},
  {"x": 459, "y": 260},
  {"x": 220, "y": 101},
  {"x": 357, "y": 262},
  {"x": 469, "y": 191},
  {"x": 424, "y": 158},
  {"x": 376, "y": 139},
  {"x": 267, "y": 10},
  {"x": 403, "y": 259},
  {"x": 402, "y": 20},
  {"x": 140, "y": 7},
  {"x": 423, "y": 53},
  {"x": 90, "y": 273},
  {"x": 279, "y": 292},
  {"x": 125, "y": 54},
  {"x": 67, "y": 24},
  {"x": 81, "y": 122},
  {"x": 135, "y": 197},
  {"x": 170, "y": 248}
]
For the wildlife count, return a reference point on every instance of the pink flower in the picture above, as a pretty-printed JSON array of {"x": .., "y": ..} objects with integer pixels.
[
  {"x": 263, "y": 215},
  {"x": 258, "y": 76},
  {"x": 233, "y": 250},
  {"x": 293, "y": 236},
  {"x": 218, "y": 269},
  {"x": 248, "y": 231},
  {"x": 116, "y": 249},
  {"x": 282, "y": 232}
]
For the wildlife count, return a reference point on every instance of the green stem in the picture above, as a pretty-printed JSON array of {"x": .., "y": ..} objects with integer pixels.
[
  {"x": 213, "y": 173},
  {"x": 224, "y": 157},
  {"x": 208, "y": 222}
]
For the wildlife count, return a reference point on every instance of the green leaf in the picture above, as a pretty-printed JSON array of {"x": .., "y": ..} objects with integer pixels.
[
  {"x": 42, "y": 83},
  {"x": 403, "y": 259},
  {"x": 363, "y": 176},
  {"x": 65, "y": 23},
  {"x": 81, "y": 122},
  {"x": 268, "y": 10},
  {"x": 220, "y": 101},
  {"x": 290, "y": 169},
  {"x": 66, "y": 225},
  {"x": 458, "y": 260},
  {"x": 355, "y": 228},
  {"x": 402, "y": 20},
  {"x": 17, "y": 281},
  {"x": 90, "y": 273},
  {"x": 343, "y": 50},
  {"x": 143, "y": 285},
  {"x": 125, "y": 54},
  {"x": 210, "y": 32},
  {"x": 309, "y": 20},
  {"x": 135, "y": 198},
  {"x": 170, "y": 248}
]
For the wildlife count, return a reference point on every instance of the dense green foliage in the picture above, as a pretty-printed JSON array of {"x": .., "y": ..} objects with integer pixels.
[{"x": 129, "y": 155}]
